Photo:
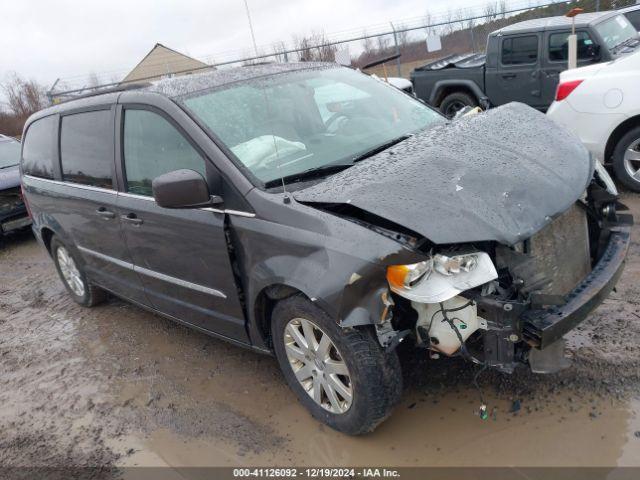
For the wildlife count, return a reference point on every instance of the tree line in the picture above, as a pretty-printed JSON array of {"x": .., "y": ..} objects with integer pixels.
[{"x": 22, "y": 97}]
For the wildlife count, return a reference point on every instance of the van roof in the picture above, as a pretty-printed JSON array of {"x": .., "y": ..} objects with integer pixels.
[
  {"x": 555, "y": 23},
  {"x": 181, "y": 85},
  {"x": 191, "y": 82}
]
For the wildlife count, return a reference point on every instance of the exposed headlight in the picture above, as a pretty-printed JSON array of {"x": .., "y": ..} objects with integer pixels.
[
  {"x": 453, "y": 265},
  {"x": 605, "y": 178},
  {"x": 441, "y": 277}
]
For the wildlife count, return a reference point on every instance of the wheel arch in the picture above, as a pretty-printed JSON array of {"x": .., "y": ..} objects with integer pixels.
[
  {"x": 263, "y": 305},
  {"x": 47, "y": 235},
  {"x": 443, "y": 88}
]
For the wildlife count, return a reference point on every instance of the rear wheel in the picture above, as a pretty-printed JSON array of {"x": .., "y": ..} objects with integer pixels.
[
  {"x": 626, "y": 160},
  {"x": 73, "y": 276},
  {"x": 456, "y": 101},
  {"x": 342, "y": 376}
]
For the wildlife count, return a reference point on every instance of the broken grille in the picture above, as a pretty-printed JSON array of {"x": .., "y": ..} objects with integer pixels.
[{"x": 554, "y": 260}]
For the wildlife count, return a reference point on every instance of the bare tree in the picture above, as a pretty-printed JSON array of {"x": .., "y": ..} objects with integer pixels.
[
  {"x": 402, "y": 35},
  {"x": 428, "y": 21},
  {"x": 502, "y": 8},
  {"x": 491, "y": 10},
  {"x": 314, "y": 48},
  {"x": 367, "y": 44},
  {"x": 23, "y": 97},
  {"x": 279, "y": 50},
  {"x": 383, "y": 43}
]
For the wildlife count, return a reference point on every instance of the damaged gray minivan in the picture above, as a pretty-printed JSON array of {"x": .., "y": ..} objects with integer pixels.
[{"x": 320, "y": 214}]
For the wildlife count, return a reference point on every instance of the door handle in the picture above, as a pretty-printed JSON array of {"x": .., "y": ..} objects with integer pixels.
[
  {"x": 106, "y": 214},
  {"x": 132, "y": 218},
  {"x": 507, "y": 76}
]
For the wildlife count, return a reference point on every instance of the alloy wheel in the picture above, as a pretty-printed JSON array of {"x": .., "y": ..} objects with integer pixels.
[
  {"x": 318, "y": 365},
  {"x": 632, "y": 160},
  {"x": 70, "y": 271}
]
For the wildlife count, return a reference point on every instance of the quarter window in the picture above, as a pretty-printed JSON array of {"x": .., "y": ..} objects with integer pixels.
[
  {"x": 634, "y": 18},
  {"x": 520, "y": 50},
  {"x": 559, "y": 46},
  {"x": 38, "y": 148},
  {"x": 86, "y": 148},
  {"x": 152, "y": 147}
]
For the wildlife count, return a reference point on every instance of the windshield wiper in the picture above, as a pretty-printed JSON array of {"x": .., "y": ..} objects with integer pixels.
[
  {"x": 332, "y": 168},
  {"x": 8, "y": 166},
  {"x": 308, "y": 174},
  {"x": 624, "y": 43},
  {"x": 379, "y": 148}
]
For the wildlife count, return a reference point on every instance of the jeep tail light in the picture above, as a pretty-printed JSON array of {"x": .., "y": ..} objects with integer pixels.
[{"x": 565, "y": 89}]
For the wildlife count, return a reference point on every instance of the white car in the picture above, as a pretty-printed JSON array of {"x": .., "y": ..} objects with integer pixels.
[{"x": 601, "y": 105}]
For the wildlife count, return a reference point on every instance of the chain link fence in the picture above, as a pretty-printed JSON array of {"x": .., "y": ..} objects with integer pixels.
[{"x": 414, "y": 42}]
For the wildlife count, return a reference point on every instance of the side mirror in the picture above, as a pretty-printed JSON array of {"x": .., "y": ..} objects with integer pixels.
[{"x": 183, "y": 189}]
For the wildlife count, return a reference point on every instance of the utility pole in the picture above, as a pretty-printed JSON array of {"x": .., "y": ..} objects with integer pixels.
[
  {"x": 395, "y": 41},
  {"x": 253, "y": 36}
]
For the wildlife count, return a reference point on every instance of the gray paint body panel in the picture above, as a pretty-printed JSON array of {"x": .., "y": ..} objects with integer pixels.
[{"x": 501, "y": 176}]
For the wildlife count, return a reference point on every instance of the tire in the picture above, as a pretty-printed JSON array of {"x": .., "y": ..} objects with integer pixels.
[
  {"x": 456, "y": 101},
  {"x": 628, "y": 147},
  {"x": 373, "y": 378},
  {"x": 80, "y": 290}
]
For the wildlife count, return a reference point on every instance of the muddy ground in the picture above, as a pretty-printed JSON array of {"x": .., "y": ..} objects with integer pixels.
[{"x": 118, "y": 386}]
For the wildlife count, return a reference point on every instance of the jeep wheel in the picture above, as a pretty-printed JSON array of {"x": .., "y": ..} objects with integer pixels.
[
  {"x": 342, "y": 376},
  {"x": 73, "y": 276},
  {"x": 626, "y": 160},
  {"x": 456, "y": 101}
]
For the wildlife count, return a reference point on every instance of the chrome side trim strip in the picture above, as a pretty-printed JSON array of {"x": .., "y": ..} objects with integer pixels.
[
  {"x": 179, "y": 282},
  {"x": 73, "y": 185},
  {"x": 133, "y": 195},
  {"x": 238, "y": 213},
  {"x": 107, "y": 258},
  {"x": 154, "y": 274}
]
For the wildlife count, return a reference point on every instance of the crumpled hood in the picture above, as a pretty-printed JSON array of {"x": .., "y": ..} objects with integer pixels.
[
  {"x": 9, "y": 177},
  {"x": 501, "y": 175}
]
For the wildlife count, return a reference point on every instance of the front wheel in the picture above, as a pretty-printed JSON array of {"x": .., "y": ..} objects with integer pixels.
[
  {"x": 626, "y": 160},
  {"x": 342, "y": 376}
]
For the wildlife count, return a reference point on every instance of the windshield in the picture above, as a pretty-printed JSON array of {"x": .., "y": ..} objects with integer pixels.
[
  {"x": 615, "y": 31},
  {"x": 286, "y": 124},
  {"x": 9, "y": 153}
]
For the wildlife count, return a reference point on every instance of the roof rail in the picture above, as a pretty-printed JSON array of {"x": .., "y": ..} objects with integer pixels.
[{"x": 98, "y": 91}]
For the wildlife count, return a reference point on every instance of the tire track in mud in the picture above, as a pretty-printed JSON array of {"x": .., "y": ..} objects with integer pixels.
[{"x": 60, "y": 381}]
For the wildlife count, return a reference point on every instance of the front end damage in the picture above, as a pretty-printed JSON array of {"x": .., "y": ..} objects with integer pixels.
[
  {"x": 521, "y": 299},
  {"x": 515, "y": 238},
  {"x": 13, "y": 212}
]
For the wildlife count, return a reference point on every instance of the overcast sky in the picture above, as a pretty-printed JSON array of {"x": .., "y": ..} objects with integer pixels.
[{"x": 44, "y": 39}]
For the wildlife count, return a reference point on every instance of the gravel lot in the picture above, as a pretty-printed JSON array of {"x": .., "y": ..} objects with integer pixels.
[{"x": 118, "y": 386}]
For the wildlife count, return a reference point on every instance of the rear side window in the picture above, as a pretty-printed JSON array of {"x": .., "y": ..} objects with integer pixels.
[
  {"x": 38, "y": 148},
  {"x": 559, "y": 46},
  {"x": 634, "y": 18},
  {"x": 520, "y": 50},
  {"x": 86, "y": 148},
  {"x": 152, "y": 147}
]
